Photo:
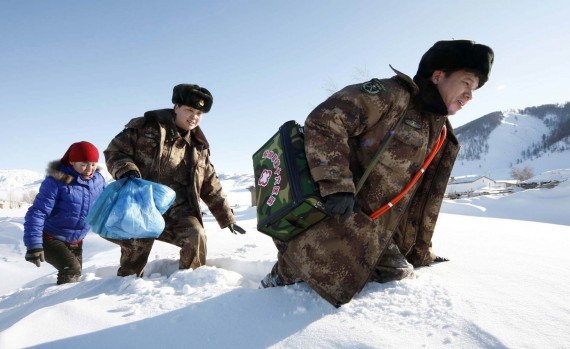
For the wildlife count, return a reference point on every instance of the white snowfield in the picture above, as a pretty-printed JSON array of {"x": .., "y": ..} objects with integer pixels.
[{"x": 506, "y": 286}]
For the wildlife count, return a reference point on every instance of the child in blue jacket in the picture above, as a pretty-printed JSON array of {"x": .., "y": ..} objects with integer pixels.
[{"x": 55, "y": 225}]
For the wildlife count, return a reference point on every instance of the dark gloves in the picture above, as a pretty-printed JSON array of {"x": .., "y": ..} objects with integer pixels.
[
  {"x": 234, "y": 228},
  {"x": 131, "y": 174},
  {"x": 35, "y": 256},
  {"x": 439, "y": 259},
  {"x": 340, "y": 203}
]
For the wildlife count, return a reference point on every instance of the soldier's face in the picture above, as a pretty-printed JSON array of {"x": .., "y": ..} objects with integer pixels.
[
  {"x": 187, "y": 118},
  {"x": 456, "y": 89}
]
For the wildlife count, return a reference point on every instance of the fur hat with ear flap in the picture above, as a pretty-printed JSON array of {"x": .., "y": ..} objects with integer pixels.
[
  {"x": 80, "y": 152},
  {"x": 193, "y": 96},
  {"x": 453, "y": 55}
]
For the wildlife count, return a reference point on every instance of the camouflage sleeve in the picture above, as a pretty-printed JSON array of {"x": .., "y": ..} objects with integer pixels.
[
  {"x": 327, "y": 130},
  {"x": 346, "y": 114},
  {"x": 215, "y": 198},
  {"x": 119, "y": 155}
]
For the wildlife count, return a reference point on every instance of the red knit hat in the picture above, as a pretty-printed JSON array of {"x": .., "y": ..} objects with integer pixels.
[{"x": 80, "y": 152}]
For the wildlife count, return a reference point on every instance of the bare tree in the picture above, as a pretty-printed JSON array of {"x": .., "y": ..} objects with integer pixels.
[
  {"x": 330, "y": 87},
  {"x": 360, "y": 75},
  {"x": 522, "y": 174},
  {"x": 29, "y": 196}
]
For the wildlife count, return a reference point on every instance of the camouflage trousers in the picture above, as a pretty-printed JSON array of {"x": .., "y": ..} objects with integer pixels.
[
  {"x": 66, "y": 258},
  {"x": 185, "y": 232},
  {"x": 281, "y": 274},
  {"x": 391, "y": 266}
]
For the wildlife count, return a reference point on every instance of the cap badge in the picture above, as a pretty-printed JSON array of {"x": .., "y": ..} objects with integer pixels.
[{"x": 201, "y": 103}]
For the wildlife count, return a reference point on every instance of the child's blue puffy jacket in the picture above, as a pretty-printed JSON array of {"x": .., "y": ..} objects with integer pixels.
[{"x": 61, "y": 206}]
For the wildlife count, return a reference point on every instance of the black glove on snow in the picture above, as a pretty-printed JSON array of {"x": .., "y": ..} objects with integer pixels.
[
  {"x": 131, "y": 174},
  {"x": 440, "y": 259},
  {"x": 35, "y": 256},
  {"x": 340, "y": 203},
  {"x": 234, "y": 228}
]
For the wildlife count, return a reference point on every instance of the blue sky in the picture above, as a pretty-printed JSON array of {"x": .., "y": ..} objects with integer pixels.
[{"x": 80, "y": 70}]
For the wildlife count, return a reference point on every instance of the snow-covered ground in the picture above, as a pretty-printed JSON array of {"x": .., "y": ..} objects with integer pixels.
[{"x": 506, "y": 286}]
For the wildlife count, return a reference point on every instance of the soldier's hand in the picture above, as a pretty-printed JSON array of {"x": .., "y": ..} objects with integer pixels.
[
  {"x": 35, "y": 256},
  {"x": 234, "y": 228},
  {"x": 131, "y": 174},
  {"x": 440, "y": 259},
  {"x": 340, "y": 203}
]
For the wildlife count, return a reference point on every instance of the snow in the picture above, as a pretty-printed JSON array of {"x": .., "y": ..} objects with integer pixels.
[{"x": 505, "y": 287}]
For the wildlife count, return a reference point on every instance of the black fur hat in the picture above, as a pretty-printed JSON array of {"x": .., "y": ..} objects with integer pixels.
[
  {"x": 455, "y": 55},
  {"x": 193, "y": 96}
]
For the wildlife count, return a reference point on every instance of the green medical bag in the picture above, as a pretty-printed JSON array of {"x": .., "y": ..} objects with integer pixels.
[{"x": 287, "y": 198}]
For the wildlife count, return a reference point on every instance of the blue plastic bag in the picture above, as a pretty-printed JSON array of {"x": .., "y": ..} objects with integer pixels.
[
  {"x": 133, "y": 208},
  {"x": 99, "y": 212}
]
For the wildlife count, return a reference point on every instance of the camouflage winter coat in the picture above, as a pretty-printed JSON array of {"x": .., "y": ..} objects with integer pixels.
[
  {"x": 153, "y": 146},
  {"x": 336, "y": 257}
]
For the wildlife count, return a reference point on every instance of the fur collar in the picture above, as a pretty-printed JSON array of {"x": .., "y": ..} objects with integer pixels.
[
  {"x": 407, "y": 81},
  {"x": 54, "y": 169},
  {"x": 429, "y": 98}
]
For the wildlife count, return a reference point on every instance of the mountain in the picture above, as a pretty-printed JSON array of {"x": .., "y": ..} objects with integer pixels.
[
  {"x": 537, "y": 137},
  {"x": 19, "y": 185},
  {"x": 19, "y": 178}
]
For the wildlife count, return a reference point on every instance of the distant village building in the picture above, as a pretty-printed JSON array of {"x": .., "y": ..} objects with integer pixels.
[
  {"x": 253, "y": 198},
  {"x": 10, "y": 204},
  {"x": 474, "y": 185}
]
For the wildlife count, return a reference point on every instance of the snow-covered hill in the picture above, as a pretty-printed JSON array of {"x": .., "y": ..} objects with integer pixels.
[
  {"x": 14, "y": 184},
  {"x": 537, "y": 137}
]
